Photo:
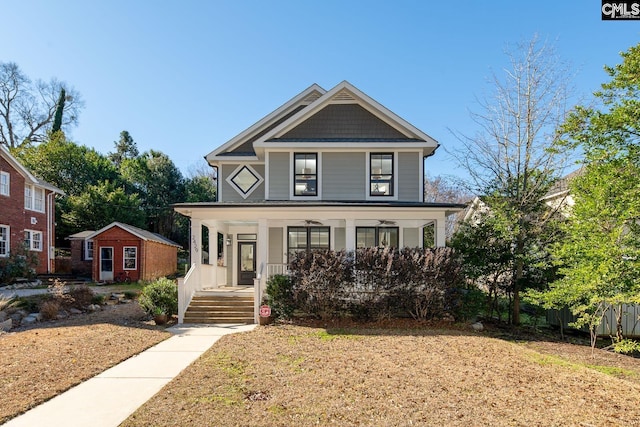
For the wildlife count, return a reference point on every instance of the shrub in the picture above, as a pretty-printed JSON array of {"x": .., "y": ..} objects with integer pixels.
[
  {"x": 161, "y": 295},
  {"x": 280, "y": 296},
  {"x": 49, "y": 309},
  {"x": 19, "y": 263},
  {"x": 79, "y": 297}
]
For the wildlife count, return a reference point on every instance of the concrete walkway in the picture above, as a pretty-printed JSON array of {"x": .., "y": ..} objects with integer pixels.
[{"x": 108, "y": 399}]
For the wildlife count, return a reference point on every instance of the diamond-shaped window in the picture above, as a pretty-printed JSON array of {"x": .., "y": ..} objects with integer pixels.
[{"x": 245, "y": 180}]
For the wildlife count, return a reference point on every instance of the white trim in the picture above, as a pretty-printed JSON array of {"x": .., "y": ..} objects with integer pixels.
[
  {"x": 7, "y": 240},
  {"x": 7, "y": 192},
  {"x": 266, "y": 175},
  {"x": 264, "y": 122},
  {"x": 30, "y": 240},
  {"x": 233, "y": 185},
  {"x": 100, "y": 276},
  {"x": 32, "y": 198},
  {"x": 292, "y": 175},
  {"x": 125, "y": 258},
  {"x": 367, "y": 193}
]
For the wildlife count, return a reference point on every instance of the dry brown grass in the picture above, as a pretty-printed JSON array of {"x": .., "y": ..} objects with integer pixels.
[
  {"x": 43, "y": 361},
  {"x": 302, "y": 376}
]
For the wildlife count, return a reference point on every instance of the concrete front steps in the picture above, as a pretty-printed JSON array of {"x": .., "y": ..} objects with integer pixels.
[{"x": 220, "y": 309}]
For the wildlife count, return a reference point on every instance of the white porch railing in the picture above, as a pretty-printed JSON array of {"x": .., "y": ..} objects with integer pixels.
[
  {"x": 273, "y": 269},
  {"x": 257, "y": 294},
  {"x": 187, "y": 287}
]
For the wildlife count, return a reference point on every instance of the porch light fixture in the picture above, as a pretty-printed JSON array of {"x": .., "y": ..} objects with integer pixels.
[{"x": 228, "y": 241}]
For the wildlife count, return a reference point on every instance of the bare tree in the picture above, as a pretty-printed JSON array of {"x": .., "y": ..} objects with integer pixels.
[
  {"x": 513, "y": 156},
  {"x": 27, "y": 109},
  {"x": 444, "y": 190}
]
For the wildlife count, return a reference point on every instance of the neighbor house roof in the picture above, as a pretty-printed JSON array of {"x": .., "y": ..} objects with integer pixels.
[
  {"x": 81, "y": 235},
  {"x": 138, "y": 232},
  {"x": 28, "y": 176}
]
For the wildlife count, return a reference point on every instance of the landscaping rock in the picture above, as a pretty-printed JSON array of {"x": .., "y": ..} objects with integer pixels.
[
  {"x": 94, "y": 307},
  {"x": 6, "y": 325},
  {"x": 31, "y": 319},
  {"x": 74, "y": 310},
  {"x": 478, "y": 327}
]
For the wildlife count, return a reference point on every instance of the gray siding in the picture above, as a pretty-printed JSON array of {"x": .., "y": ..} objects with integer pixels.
[
  {"x": 343, "y": 176},
  {"x": 340, "y": 238},
  {"x": 340, "y": 121},
  {"x": 229, "y": 193},
  {"x": 410, "y": 237},
  {"x": 279, "y": 176},
  {"x": 409, "y": 178},
  {"x": 276, "y": 249}
]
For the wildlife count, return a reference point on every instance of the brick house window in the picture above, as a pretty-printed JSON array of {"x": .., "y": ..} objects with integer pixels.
[
  {"x": 33, "y": 240},
  {"x": 33, "y": 198},
  {"x": 4, "y": 241},
  {"x": 130, "y": 258},
  {"x": 4, "y": 183},
  {"x": 88, "y": 249}
]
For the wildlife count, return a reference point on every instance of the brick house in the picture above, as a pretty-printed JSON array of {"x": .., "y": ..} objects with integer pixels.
[
  {"x": 81, "y": 253},
  {"x": 120, "y": 251},
  {"x": 27, "y": 213}
]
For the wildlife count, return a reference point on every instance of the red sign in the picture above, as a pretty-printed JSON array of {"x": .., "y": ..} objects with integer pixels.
[{"x": 265, "y": 311}]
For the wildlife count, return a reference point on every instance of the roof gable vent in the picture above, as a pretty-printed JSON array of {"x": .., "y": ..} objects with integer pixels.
[
  {"x": 343, "y": 95},
  {"x": 312, "y": 97}
]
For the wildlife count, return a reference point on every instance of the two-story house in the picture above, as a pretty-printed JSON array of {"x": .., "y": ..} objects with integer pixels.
[
  {"x": 327, "y": 170},
  {"x": 27, "y": 213}
]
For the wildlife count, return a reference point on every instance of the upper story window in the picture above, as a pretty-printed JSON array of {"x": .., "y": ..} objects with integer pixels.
[
  {"x": 4, "y": 183},
  {"x": 4, "y": 241},
  {"x": 370, "y": 237},
  {"x": 381, "y": 174},
  {"x": 306, "y": 174},
  {"x": 245, "y": 180},
  {"x": 33, "y": 240},
  {"x": 33, "y": 198}
]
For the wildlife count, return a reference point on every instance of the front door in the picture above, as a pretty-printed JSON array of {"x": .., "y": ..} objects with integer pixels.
[
  {"x": 246, "y": 263},
  {"x": 106, "y": 263}
]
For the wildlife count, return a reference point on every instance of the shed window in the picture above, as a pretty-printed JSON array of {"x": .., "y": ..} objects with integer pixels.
[{"x": 130, "y": 257}]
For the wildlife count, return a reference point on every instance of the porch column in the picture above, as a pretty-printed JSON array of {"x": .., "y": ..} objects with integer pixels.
[
  {"x": 350, "y": 234},
  {"x": 262, "y": 249},
  {"x": 195, "y": 251},
  {"x": 440, "y": 230},
  {"x": 213, "y": 255}
]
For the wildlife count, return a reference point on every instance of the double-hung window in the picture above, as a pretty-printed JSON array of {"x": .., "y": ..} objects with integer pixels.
[
  {"x": 307, "y": 238},
  {"x": 381, "y": 174},
  {"x": 33, "y": 198},
  {"x": 5, "y": 183},
  {"x": 88, "y": 250},
  {"x": 130, "y": 257},
  {"x": 306, "y": 174},
  {"x": 33, "y": 240},
  {"x": 370, "y": 237},
  {"x": 4, "y": 241}
]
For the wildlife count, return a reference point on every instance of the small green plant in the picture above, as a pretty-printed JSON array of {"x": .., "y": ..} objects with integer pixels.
[
  {"x": 160, "y": 297},
  {"x": 626, "y": 346},
  {"x": 98, "y": 299},
  {"x": 7, "y": 303},
  {"x": 20, "y": 263},
  {"x": 280, "y": 296}
]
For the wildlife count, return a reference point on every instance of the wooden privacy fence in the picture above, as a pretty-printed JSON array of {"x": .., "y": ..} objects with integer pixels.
[{"x": 630, "y": 320}]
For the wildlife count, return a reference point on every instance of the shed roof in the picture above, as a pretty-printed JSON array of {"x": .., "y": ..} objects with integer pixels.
[{"x": 138, "y": 232}]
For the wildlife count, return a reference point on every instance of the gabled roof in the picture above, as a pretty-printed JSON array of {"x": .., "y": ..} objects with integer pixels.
[
  {"x": 81, "y": 235},
  {"x": 343, "y": 116},
  {"x": 28, "y": 176},
  {"x": 242, "y": 144},
  {"x": 138, "y": 232}
]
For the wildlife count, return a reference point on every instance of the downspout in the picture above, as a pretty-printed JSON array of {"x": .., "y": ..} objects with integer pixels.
[{"x": 49, "y": 234}]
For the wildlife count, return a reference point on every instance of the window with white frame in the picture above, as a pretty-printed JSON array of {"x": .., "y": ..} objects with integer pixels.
[
  {"x": 130, "y": 257},
  {"x": 33, "y": 240},
  {"x": 381, "y": 174},
  {"x": 305, "y": 174},
  {"x": 5, "y": 183},
  {"x": 4, "y": 241},
  {"x": 88, "y": 249},
  {"x": 33, "y": 198}
]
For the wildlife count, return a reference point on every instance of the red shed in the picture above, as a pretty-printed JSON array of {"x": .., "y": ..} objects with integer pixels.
[{"x": 122, "y": 251}]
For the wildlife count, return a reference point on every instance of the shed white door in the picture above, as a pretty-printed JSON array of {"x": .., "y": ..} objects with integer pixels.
[{"x": 106, "y": 263}]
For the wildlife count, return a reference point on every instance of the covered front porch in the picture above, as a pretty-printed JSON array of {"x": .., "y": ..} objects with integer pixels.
[{"x": 242, "y": 245}]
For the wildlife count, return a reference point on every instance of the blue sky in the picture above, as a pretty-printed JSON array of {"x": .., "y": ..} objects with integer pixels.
[{"x": 183, "y": 77}]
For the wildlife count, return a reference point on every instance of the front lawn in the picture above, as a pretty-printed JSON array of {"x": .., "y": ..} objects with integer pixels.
[{"x": 385, "y": 376}]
